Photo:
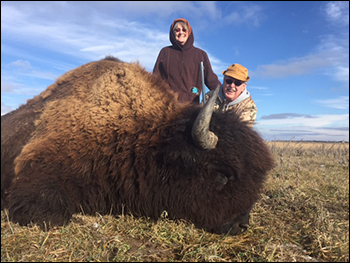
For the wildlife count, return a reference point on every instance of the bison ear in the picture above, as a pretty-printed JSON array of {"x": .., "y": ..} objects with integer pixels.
[{"x": 201, "y": 135}]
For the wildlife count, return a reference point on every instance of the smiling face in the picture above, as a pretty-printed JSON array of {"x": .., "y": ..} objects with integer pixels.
[
  {"x": 181, "y": 33},
  {"x": 233, "y": 88}
]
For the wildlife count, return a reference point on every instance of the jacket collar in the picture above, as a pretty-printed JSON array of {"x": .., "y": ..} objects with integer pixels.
[{"x": 245, "y": 94}]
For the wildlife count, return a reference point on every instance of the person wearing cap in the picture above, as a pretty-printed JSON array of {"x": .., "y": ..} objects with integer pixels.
[
  {"x": 179, "y": 64},
  {"x": 233, "y": 94}
]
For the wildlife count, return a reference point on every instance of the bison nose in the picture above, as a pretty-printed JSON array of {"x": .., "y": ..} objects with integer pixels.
[{"x": 243, "y": 225}]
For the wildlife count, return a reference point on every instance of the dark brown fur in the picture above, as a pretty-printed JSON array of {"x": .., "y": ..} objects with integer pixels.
[{"x": 109, "y": 137}]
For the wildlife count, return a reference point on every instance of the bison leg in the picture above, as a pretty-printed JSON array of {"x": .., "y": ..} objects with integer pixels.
[{"x": 39, "y": 200}]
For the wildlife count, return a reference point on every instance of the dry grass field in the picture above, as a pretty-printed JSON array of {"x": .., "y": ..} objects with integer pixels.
[{"x": 302, "y": 216}]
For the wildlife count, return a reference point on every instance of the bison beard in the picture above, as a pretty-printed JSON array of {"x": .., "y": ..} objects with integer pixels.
[{"x": 109, "y": 137}]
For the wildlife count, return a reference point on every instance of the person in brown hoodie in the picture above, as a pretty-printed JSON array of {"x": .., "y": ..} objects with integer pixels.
[{"x": 179, "y": 64}]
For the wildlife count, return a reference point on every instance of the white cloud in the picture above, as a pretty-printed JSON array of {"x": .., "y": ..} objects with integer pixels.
[
  {"x": 250, "y": 14},
  {"x": 118, "y": 38},
  {"x": 341, "y": 74},
  {"x": 319, "y": 127},
  {"x": 295, "y": 66},
  {"x": 23, "y": 68},
  {"x": 310, "y": 121},
  {"x": 331, "y": 56},
  {"x": 337, "y": 12},
  {"x": 83, "y": 31},
  {"x": 341, "y": 103},
  {"x": 21, "y": 64},
  {"x": 258, "y": 88}
]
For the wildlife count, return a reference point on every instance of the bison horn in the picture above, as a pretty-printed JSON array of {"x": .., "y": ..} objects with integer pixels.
[{"x": 201, "y": 135}]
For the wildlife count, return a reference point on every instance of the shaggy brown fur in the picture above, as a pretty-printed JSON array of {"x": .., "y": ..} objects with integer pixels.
[{"x": 111, "y": 137}]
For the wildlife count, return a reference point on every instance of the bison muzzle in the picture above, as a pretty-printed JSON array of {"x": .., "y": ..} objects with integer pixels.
[{"x": 110, "y": 137}]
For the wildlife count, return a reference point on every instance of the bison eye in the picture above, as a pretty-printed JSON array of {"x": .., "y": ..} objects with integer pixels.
[{"x": 220, "y": 181}]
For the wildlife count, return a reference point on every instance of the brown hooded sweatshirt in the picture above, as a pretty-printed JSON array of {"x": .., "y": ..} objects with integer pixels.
[{"x": 180, "y": 67}]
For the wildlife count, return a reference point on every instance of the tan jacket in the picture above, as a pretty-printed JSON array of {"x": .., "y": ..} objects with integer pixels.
[{"x": 246, "y": 109}]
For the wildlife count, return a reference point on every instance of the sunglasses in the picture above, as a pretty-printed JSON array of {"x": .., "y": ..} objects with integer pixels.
[
  {"x": 237, "y": 82},
  {"x": 179, "y": 29}
]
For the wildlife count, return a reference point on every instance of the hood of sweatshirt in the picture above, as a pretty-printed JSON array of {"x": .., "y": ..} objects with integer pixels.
[{"x": 190, "y": 39}]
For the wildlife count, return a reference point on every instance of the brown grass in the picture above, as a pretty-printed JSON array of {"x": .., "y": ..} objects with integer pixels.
[{"x": 303, "y": 216}]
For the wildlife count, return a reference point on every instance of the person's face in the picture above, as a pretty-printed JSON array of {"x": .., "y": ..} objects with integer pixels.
[
  {"x": 233, "y": 88},
  {"x": 181, "y": 34}
]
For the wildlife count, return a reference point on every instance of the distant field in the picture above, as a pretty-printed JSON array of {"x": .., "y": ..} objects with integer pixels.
[
  {"x": 307, "y": 144},
  {"x": 302, "y": 216}
]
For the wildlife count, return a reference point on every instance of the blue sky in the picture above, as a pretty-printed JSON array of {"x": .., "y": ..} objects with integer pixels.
[{"x": 297, "y": 52}]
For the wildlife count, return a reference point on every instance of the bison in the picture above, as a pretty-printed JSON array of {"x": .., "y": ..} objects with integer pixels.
[{"x": 109, "y": 137}]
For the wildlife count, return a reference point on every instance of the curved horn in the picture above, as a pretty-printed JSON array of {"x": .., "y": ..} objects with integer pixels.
[{"x": 201, "y": 135}]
